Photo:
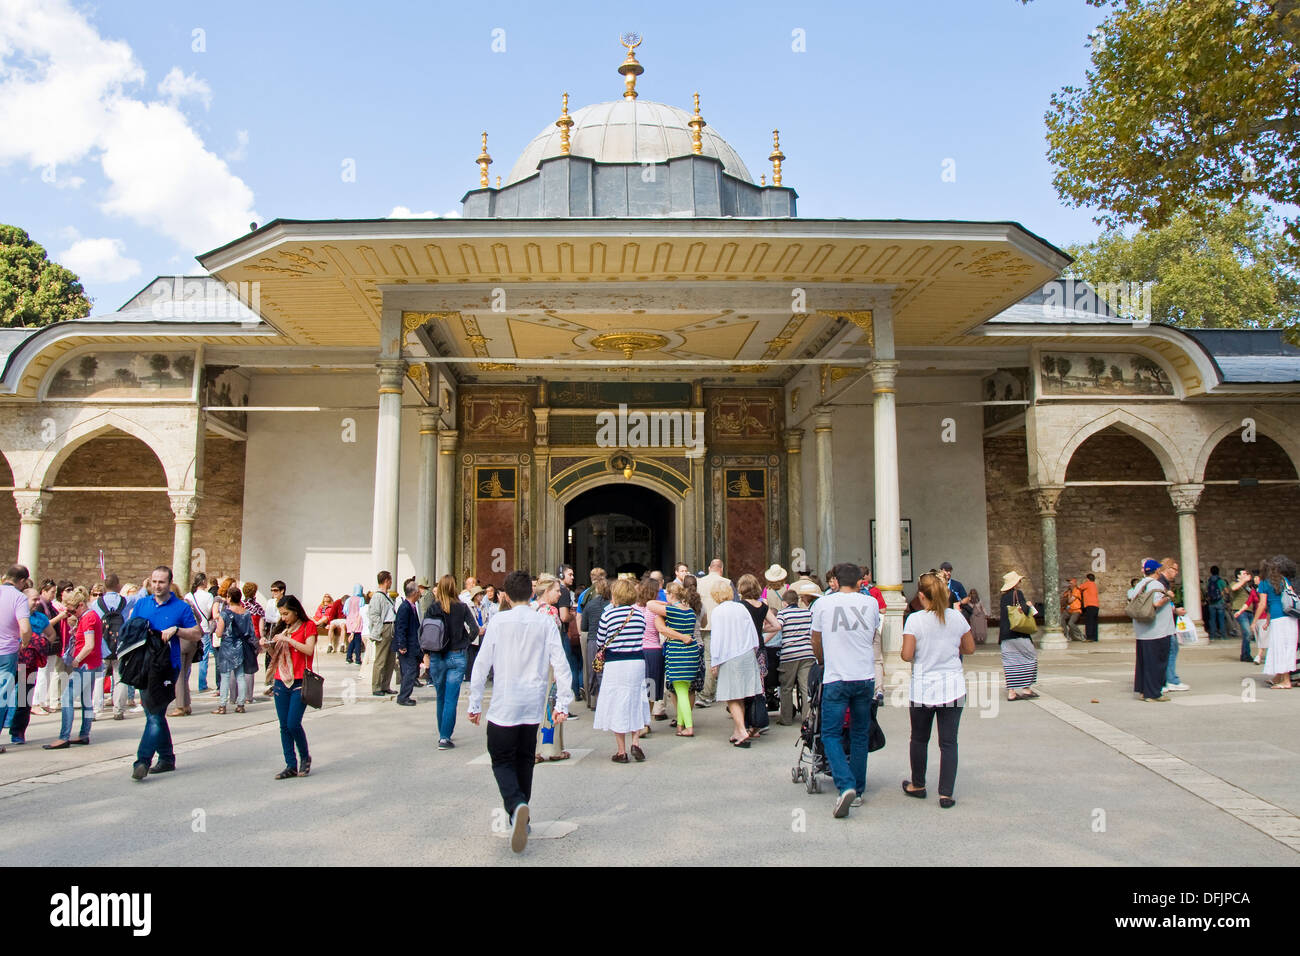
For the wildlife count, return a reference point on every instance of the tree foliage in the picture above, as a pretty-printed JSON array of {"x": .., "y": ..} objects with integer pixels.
[
  {"x": 1229, "y": 269},
  {"x": 1188, "y": 105},
  {"x": 33, "y": 290}
]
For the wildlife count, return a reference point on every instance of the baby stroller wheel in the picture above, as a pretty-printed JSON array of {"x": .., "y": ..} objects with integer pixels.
[
  {"x": 803, "y": 773},
  {"x": 794, "y": 774},
  {"x": 813, "y": 785}
]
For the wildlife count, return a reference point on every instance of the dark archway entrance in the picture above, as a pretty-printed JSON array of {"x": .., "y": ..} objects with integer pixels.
[{"x": 620, "y": 527}]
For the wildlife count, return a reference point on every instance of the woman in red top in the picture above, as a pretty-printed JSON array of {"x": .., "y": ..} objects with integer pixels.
[
  {"x": 292, "y": 645},
  {"x": 87, "y": 636}
]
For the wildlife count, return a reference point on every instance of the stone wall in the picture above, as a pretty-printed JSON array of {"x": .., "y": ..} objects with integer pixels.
[
  {"x": 135, "y": 529},
  {"x": 8, "y": 519},
  {"x": 1239, "y": 525},
  {"x": 1015, "y": 543}
]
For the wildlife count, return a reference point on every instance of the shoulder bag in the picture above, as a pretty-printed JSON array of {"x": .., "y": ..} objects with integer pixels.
[
  {"x": 1290, "y": 600},
  {"x": 1018, "y": 618},
  {"x": 1141, "y": 606},
  {"x": 598, "y": 661}
]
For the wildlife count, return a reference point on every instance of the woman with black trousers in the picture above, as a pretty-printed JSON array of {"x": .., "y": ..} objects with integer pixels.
[{"x": 934, "y": 639}]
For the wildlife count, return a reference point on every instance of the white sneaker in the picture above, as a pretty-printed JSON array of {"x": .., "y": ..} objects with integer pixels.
[
  {"x": 519, "y": 836},
  {"x": 1177, "y": 687},
  {"x": 842, "y": 804},
  {"x": 137, "y": 709},
  {"x": 857, "y": 802}
]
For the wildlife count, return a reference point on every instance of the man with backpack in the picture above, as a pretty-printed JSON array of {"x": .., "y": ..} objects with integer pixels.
[
  {"x": 1216, "y": 619},
  {"x": 113, "y": 609},
  {"x": 406, "y": 641},
  {"x": 1152, "y": 611}
]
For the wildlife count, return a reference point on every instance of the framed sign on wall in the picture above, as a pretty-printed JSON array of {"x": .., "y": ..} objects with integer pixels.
[{"x": 905, "y": 532}]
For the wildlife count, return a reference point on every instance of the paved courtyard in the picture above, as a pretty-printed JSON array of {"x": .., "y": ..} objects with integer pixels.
[{"x": 1087, "y": 775}]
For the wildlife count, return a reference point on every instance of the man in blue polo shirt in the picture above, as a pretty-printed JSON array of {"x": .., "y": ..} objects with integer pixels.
[{"x": 171, "y": 616}]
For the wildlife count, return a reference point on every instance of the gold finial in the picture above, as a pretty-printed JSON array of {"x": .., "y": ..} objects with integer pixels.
[
  {"x": 630, "y": 68},
  {"x": 776, "y": 157},
  {"x": 498, "y": 182},
  {"x": 762, "y": 180},
  {"x": 565, "y": 123},
  {"x": 484, "y": 161},
  {"x": 696, "y": 123}
]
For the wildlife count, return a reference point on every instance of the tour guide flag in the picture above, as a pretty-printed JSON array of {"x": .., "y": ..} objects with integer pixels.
[{"x": 102, "y": 575}]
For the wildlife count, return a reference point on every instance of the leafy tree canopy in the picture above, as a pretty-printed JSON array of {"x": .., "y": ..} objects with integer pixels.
[
  {"x": 1187, "y": 105},
  {"x": 1226, "y": 270},
  {"x": 33, "y": 290}
]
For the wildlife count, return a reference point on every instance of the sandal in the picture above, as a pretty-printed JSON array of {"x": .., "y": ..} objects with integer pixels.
[
  {"x": 220, "y": 710},
  {"x": 239, "y": 708},
  {"x": 538, "y": 758},
  {"x": 637, "y": 753},
  {"x": 1032, "y": 695},
  {"x": 619, "y": 758},
  {"x": 686, "y": 733},
  {"x": 564, "y": 755},
  {"x": 286, "y": 773},
  {"x": 743, "y": 744}
]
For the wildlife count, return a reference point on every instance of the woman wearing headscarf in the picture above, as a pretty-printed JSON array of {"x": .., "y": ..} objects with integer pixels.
[
  {"x": 733, "y": 642},
  {"x": 1019, "y": 656}
]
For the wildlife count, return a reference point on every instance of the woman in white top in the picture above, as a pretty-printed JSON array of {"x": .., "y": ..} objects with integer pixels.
[
  {"x": 934, "y": 641},
  {"x": 733, "y": 642}
]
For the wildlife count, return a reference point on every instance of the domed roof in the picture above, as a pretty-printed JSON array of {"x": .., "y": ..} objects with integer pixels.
[{"x": 628, "y": 131}]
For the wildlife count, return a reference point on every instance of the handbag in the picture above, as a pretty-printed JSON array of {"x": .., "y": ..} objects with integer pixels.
[
  {"x": 1020, "y": 621},
  {"x": 598, "y": 661},
  {"x": 1290, "y": 600},
  {"x": 876, "y": 740},
  {"x": 313, "y": 687}
]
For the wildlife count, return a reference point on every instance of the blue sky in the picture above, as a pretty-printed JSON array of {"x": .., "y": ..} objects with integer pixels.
[{"x": 125, "y": 151}]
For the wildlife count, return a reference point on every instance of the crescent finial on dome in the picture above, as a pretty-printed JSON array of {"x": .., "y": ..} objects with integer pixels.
[{"x": 630, "y": 68}]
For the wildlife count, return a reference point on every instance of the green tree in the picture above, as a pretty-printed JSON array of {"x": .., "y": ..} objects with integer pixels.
[
  {"x": 1229, "y": 271},
  {"x": 33, "y": 290},
  {"x": 1096, "y": 368},
  {"x": 1187, "y": 104},
  {"x": 88, "y": 366}
]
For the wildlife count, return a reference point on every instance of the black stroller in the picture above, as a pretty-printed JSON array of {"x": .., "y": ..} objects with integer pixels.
[{"x": 811, "y": 762}]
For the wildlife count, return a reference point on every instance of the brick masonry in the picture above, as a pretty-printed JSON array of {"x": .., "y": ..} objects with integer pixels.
[
  {"x": 1235, "y": 525},
  {"x": 134, "y": 529}
]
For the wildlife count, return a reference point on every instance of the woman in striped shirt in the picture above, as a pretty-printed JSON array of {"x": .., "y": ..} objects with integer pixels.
[
  {"x": 676, "y": 620},
  {"x": 622, "y": 707},
  {"x": 796, "y": 647}
]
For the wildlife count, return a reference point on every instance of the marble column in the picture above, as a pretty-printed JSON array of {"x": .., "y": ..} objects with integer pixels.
[
  {"x": 426, "y": 548},
  {"x": 546, "y": 541},
  {"x": 444, "y": 523},
  {"x": 825, "y": 491},
  {"x": 185, "y": 506},
  {"x": 794, "y": 498},
  {"x": 1045, "y": 499},
  {"x": 388, "y": 453},
  {"x": 1185, "y": 498},
  {"x": 888, "y": 572},
  {"x": 32, "y": 505}
]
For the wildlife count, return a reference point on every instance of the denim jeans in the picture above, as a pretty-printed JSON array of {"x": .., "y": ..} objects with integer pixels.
[
  {"x": 1171, "y": 675},
  {"x": 233, "y": 686},
  {"x": 8, "y": 686},
  {"x": 853, "y": 696},
  {"x": 203, "y": 664},
  {"x": 289, "y": 707},
  {"x": 80, "y": 688},
  {"x": 446, "y": 671},
  {"x": 157, "y": 736},
  {"x": 1244, "y": 620},
  {"x": 1216, "y": 622},
  {"x": 575, "y": 665}
]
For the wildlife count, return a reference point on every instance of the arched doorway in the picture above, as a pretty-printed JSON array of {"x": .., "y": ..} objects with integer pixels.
[
  {"x": 1251, "y": 492},
  {"x": 620, "y": 527}
]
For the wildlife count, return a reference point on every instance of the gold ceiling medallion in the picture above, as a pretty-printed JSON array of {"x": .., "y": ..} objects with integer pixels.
[
  {"x": 628, "y": 342},
  {"x": 630, "y": 68}
]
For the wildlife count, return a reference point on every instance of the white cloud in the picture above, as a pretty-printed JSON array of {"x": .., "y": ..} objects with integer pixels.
[
  {"x": 55, "y": 64},
  {"x": 99, "y": 260},
  {"x": 402, "y": 212},
  {"x": 240, "y": 150},
  {"x": 176, "y": 86}
]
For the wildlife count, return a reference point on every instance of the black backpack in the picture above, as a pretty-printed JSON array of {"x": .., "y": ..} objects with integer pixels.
[{"x": 113, "y": 621}]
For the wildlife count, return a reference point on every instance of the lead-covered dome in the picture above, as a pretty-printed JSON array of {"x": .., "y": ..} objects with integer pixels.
[{"x": 628, "y": 131}]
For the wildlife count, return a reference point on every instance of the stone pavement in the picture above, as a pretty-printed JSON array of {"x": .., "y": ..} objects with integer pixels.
[{"x": 1086, "y": 775}]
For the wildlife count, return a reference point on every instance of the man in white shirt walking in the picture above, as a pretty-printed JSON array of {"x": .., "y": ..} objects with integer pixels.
[
  {"x": 844, "y": 625},
  {"x": 518, "y": 647}
]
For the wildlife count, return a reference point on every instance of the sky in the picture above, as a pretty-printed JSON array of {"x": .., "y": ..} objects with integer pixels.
[{"x": 136, "y": 135}]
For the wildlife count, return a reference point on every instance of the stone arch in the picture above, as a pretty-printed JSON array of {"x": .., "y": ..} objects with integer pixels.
[
  {"x": 47, "y": 465},
  {"x": 1265, "y": 424},
  {"x": 1159, "y": 442},
  {"x": 674, "y": 501}
]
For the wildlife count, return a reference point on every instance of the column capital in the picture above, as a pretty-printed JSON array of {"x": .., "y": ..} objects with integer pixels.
[
  {"x": 32, "y": 504},
  {"x": 793, "y": 440},
  {"x": 447, "y": 441},
  {"x": 185, "y": 504},
  {"x": 883, "y": 374},
  {"x": 823, "y": 419},
  {"x": 1046, "y": 497},
  {"x": 1186, "y": 497},
  {"x": 430, "y": 417},
  {"x": 391, "y": 374}
]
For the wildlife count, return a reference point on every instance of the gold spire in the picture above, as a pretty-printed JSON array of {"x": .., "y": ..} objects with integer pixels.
[
  {"x": 762, "y": 180},
  {"x": 696, "y": 123},
  {"x": 776, "y": 157},
  {"x": 484, "y": 161},
  {"x": 498, "y": 182},
  {"x": 565, "y": 123},
  {"x": 630, "y": 68}
]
